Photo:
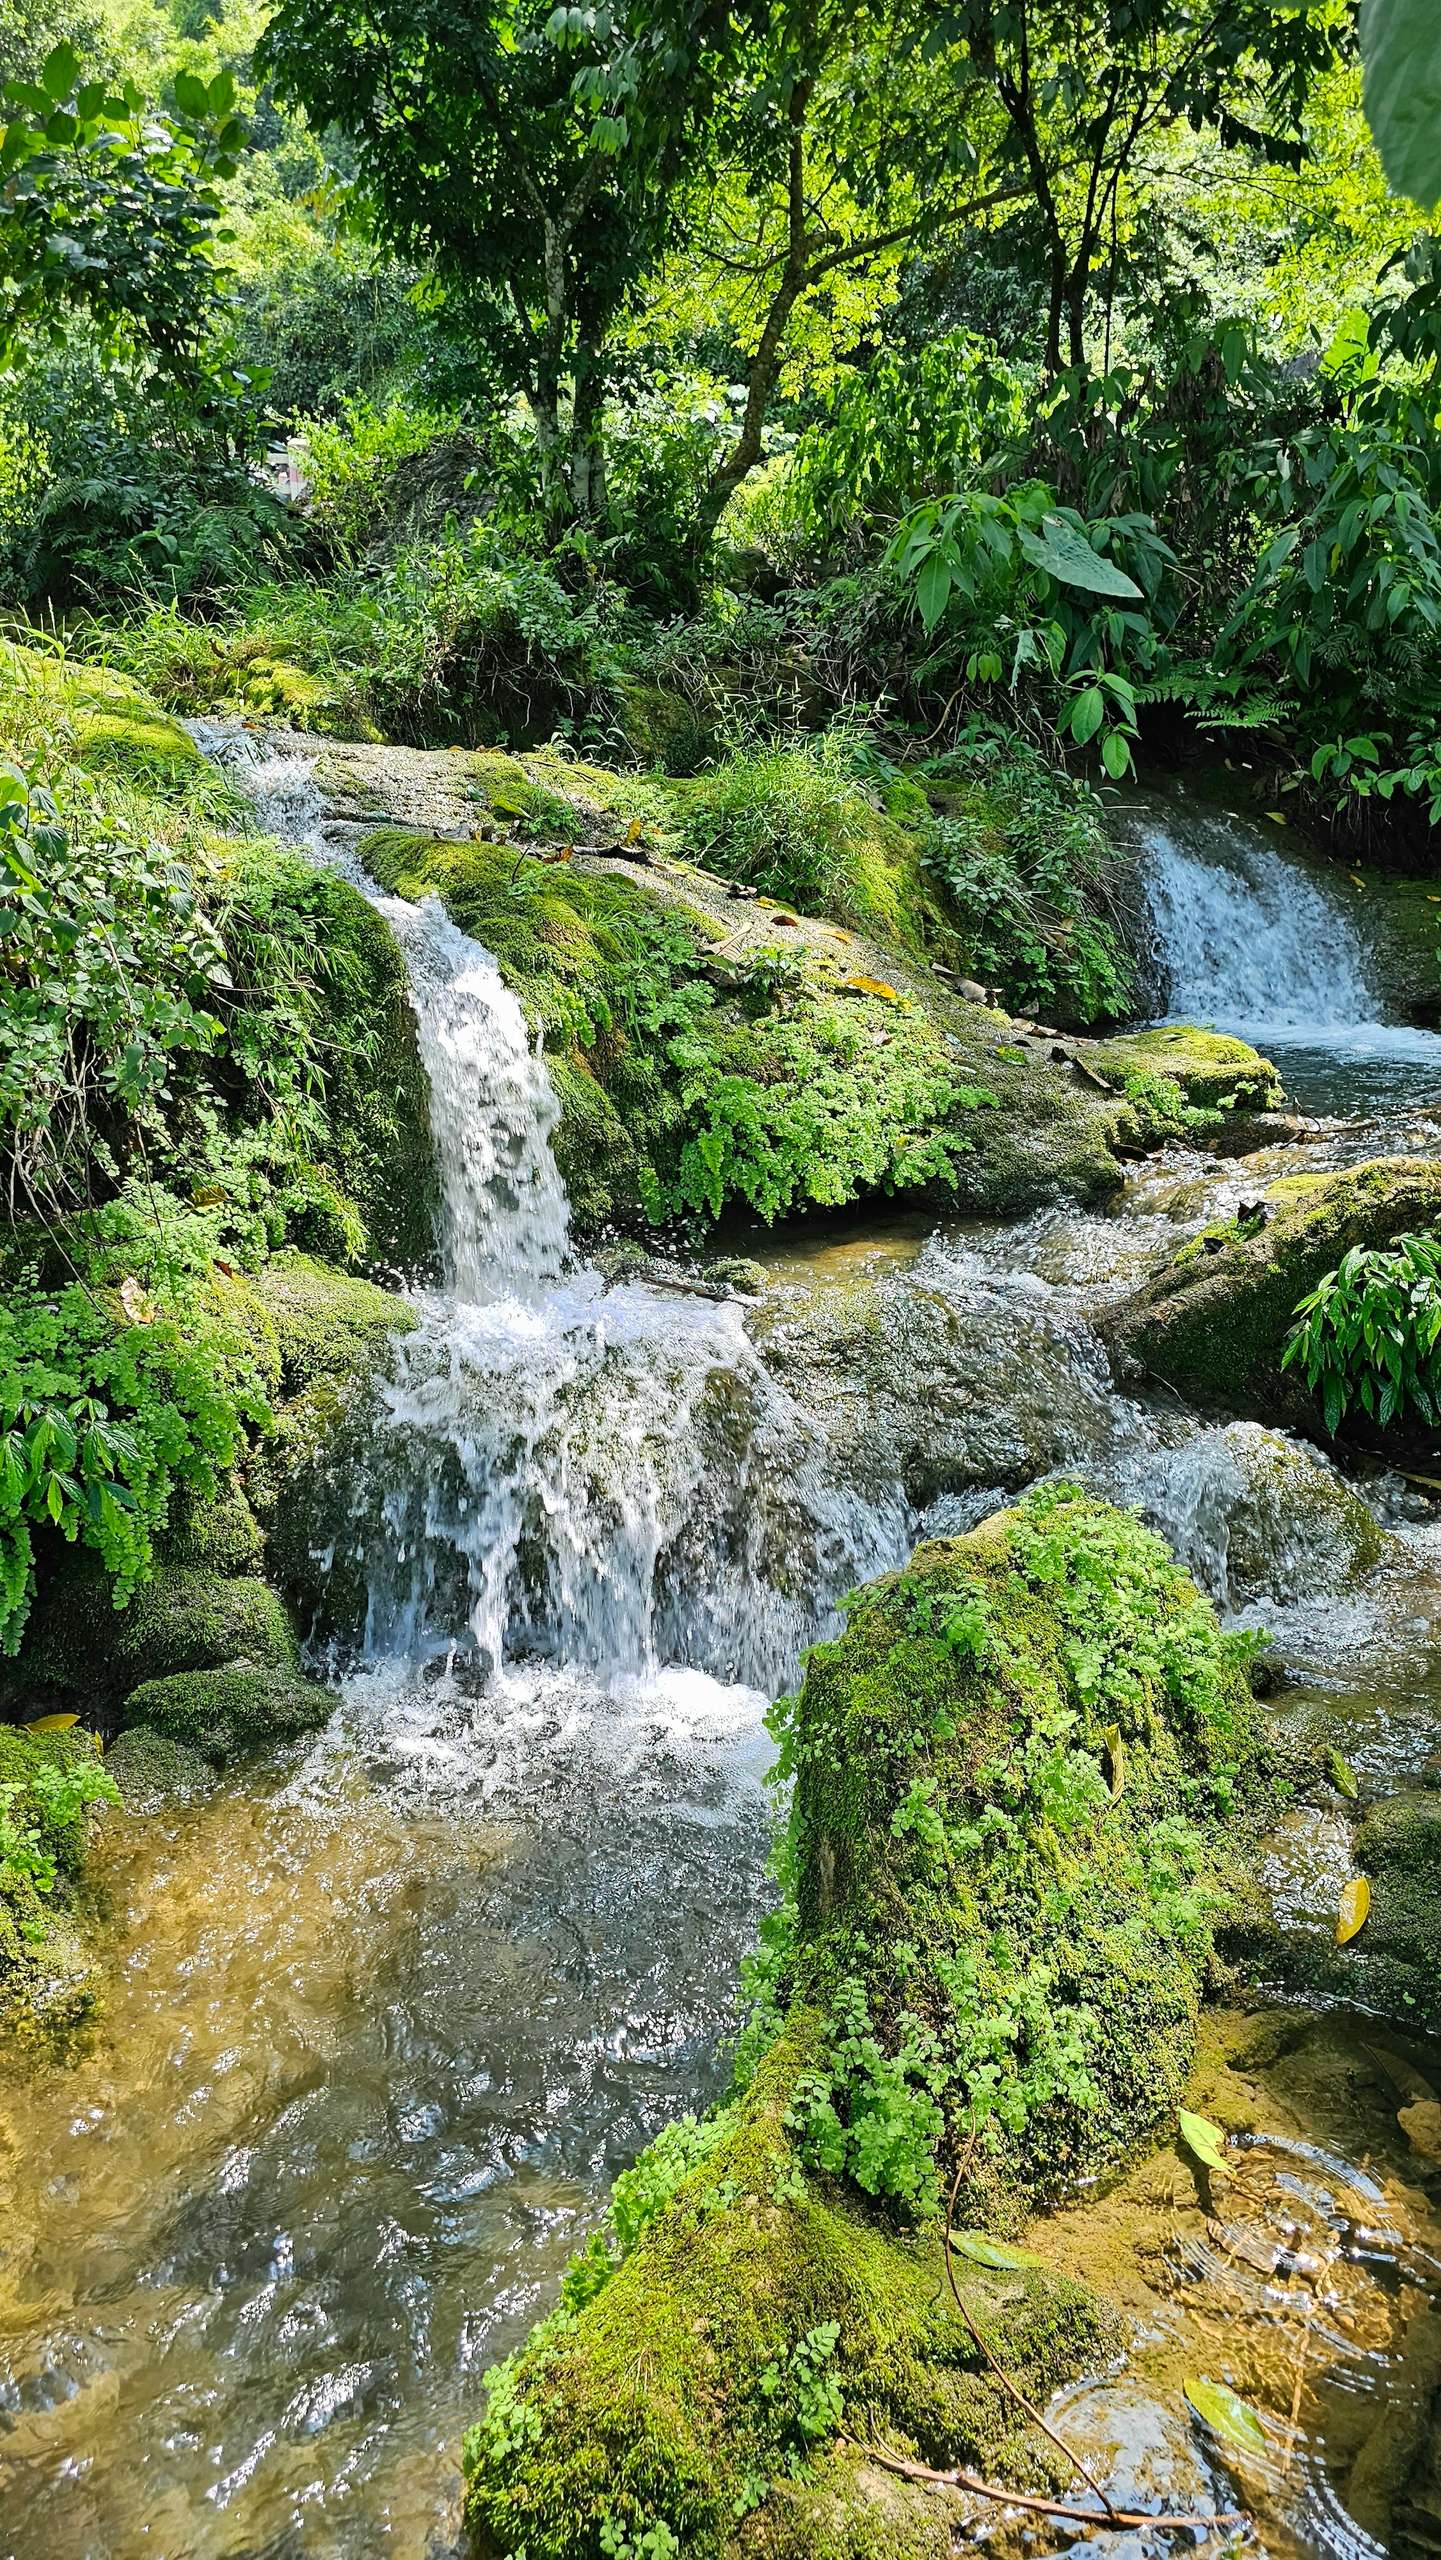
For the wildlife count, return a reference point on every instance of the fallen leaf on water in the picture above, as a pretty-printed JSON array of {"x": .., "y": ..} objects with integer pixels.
[
  {"x": 992, "y": 2253},
  {"x": 1116, "y": 1755},
  {"x": 51, "y": 1724},
  {"x": 1205, "y": 2140},
  {"x": 1421, "y": 2124},
  {"x": 1355, "y": 1904},
  {"x": 135, "y": 1302},
  {"x": 1227, "y": 2415},
  {"x": 1342, "y": 1776}
]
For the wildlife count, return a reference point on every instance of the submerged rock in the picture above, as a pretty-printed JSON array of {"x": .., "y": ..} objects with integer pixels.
[
  {"x": 1214, "y": 1320},
  {"x": 1015, "y": 1777}
]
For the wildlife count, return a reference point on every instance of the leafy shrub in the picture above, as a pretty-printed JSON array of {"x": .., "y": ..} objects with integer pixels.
[
  {"x": 795, "y": 822},
  {"x": 1026, "y": 863},
  {"x": 352, "y": 462},
  {"x": 1368, "y": 1333}
]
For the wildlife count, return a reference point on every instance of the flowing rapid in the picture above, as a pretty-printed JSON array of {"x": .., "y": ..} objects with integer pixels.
[{"x": 389, "y": 2015}]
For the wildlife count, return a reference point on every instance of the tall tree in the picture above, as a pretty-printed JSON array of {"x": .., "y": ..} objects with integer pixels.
[
  {"x": 1084, "y": 86},
  {"x": 534, "y": 153}
]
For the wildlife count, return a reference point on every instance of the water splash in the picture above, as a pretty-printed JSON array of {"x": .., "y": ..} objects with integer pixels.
[{"x": 607, "y": 1476}]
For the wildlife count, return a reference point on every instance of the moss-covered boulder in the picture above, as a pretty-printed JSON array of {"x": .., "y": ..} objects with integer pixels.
[
  {"x": 227, "y": 1710},
  {"x": 1214, "y": 1320},
  {"x": 1213, "y": 1071},
  {"x": 81, "y": 1647},
  {"x": 1018, "y": 1780},
  {"x": 710, "y": 1056},
  {"x": 330, "y": 1336},
  {"x": 153, "y": 1772},
  {"x": 49, "y": 1783},
  {"x": 1398, "y": 1848},
  {"x": 1294, "y": 1526}
]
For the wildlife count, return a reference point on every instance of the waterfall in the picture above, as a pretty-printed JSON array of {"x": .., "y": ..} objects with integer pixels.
[
  {"x": 606, "y": 1476},
  {"x": 1246, "y": 938}
]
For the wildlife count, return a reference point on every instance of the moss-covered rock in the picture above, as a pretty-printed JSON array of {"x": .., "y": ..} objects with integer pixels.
[
  {"x": 1294, "y": 1526},
  {"x": 119, "y": 729},
  {"x": 48, "y": 1783},
  {"x": 1214, "y": 1071},
  {"x": 1398, "y": 1847},
  {"x": 1214, "y": 1320},
  {"x": 1017, "y": 1777},
  {"x": 82, "y": 1651},
  {"x": 152, "y": 1771},
  {"x": 710, "y": 1057},
  {"x": 226, "y": 1711},
  {"x": 329, "y": 1335}
]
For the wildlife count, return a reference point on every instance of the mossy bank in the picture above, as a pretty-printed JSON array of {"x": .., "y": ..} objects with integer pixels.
[{"x": 1021, "y": 1781}]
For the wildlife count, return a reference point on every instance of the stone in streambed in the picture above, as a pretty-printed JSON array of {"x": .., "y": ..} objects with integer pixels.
[
  {"x": 1010, "y": 1772},
  {"x": 1214, "y": 1320},
  {"x": 225, "y": 1711},
  {"x": 1295, "y": 1527}
]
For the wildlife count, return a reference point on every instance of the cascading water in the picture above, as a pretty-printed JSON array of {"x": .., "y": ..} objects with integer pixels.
[
  {"x": 600, "y": 1475},
  {"x": 1250, "y": 943}
]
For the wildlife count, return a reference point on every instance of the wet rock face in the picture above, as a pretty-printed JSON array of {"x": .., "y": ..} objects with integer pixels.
[
  {"x": 1213, "y": 1322},
  {"x": 1295, "y": 1526}
]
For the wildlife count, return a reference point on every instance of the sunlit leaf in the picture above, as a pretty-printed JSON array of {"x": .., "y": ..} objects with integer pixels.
[
  {"x": 1116, "y": 1756},
  {"x": 1401, "y": 49},
  {"x": 1225, "y": 2413},
  {"x": 1355, "y": 1905},
  {"x": 986, "y": 2252},
  {"x": 1205, "y": 2140},
  {"x": 51, "y": 1724},
  {"x": 1342, "y": 1776}
]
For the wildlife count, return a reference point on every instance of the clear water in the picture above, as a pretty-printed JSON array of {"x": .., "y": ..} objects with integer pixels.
[{"x": 389, "y": 2014}]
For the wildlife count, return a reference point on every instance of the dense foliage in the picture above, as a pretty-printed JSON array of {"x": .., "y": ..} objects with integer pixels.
[{"x": 1369, "y": 1334}]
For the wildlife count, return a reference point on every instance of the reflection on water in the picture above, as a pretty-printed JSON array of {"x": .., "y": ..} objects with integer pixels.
[
  {"x": 382, "y": 2031},
  {"x": 1309, "y": 2282}
]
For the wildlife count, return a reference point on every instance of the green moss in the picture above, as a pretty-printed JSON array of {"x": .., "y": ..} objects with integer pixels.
[
  {"x": 1016, "y": 1777},
  {"x": 48, "y": 1986},
  {"x": 770, "y": 1082},
  {"x": 228, "y": 1711},
  {"x": 80, "y": 1647},
  {"x": 325, "y": 1324},
  {"x": 1213, "y": 1071},
  {"x": 677, "y": 2393},
  {"x": 1213, "y": 1321},
  {"x": 221, "y": 1536},
  {"x": 153, "y": 1772}
]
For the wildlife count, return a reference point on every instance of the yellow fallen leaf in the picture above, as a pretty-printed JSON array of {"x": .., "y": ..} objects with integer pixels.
[
  {"x": 51, "y": 1724},
  {"x": 1356, "y": 879},
  {"x": 633, "y": 832},
  {"x": 1355, "y": 1904},
  {"x": 1116, "y": 1755},
  {"x": 872, "y": 987}
]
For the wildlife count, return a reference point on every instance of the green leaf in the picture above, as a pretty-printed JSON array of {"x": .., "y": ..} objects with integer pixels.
[
  {"x": 986, "y": 2252},
  {"x": 1227, "y": 2416},
  {"x": 1115, "y": 755},
  {"x": 192, "y": 94},
  {"x": 1401, "y": 50},
  {"x": 1342, "y": 1776},
  {"x": 1088, "y": 711},
  {"x": 1205, "y": 2140},
  {"x": 58, "y": 71},
  {"x": 1070, "y": 558}
]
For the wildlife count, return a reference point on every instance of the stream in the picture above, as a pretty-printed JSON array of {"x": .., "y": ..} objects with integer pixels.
[{"x": 391, "y": 2011}]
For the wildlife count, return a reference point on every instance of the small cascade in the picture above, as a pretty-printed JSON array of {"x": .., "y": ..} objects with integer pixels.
[
  {"x": 1245, "y": 937},
  {"x": 606, "y": 1476}
]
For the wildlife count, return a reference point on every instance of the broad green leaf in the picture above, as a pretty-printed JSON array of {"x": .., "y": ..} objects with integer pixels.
[
  {"x": 1115, "y": 755},
  {"x": 1342, "y": 1776},
  {"x": 986, "y": 2252},
  {"x": 1355, "y": 1906},
  {"x": 1228, "y": 2416},
  {"x": 1087, "y": 714},
  {"x": 1401, "y": 50},
  {"x": 58, "y": 70},
  {"x": 1205, "y": 2140},
  {"x": 1070, "y": 558},
  {"x": 192, "y": 94}
]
